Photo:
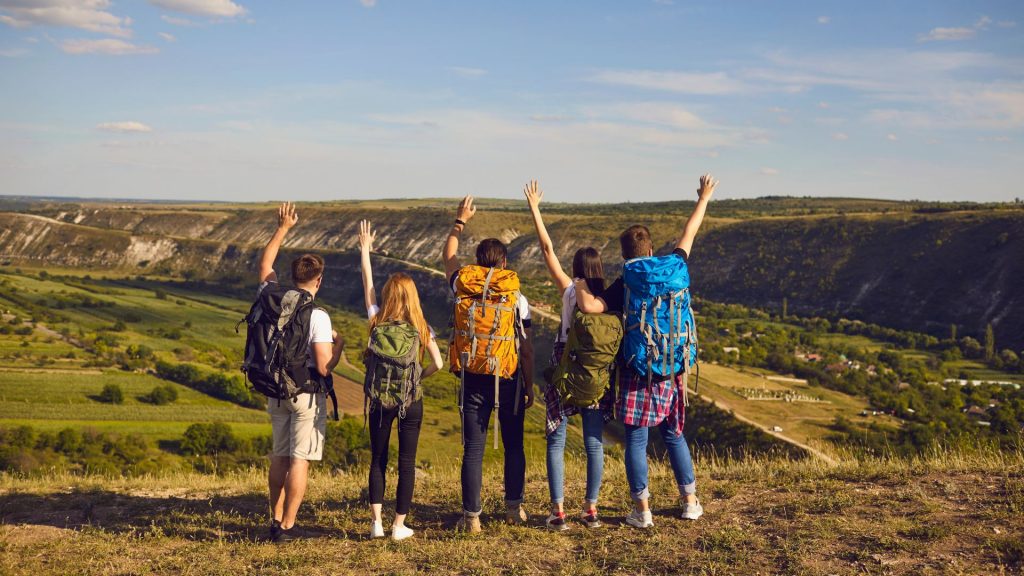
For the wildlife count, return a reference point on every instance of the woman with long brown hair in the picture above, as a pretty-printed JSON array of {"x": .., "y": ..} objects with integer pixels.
[
  {"x": 399, "y": 309},
  {"x": 586, "y": 265}
]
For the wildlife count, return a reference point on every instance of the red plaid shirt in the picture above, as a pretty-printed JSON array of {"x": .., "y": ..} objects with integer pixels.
[{"x": 638, "y": 404}]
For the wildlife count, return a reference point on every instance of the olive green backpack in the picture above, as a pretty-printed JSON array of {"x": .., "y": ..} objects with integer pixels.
[
  {"x": 584, "y": 373},
  {"x": 393, "y": 366}
]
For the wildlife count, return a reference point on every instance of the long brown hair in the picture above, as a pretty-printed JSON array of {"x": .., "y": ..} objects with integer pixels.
[
  {"x": 400, "y": 302},
  {"x": 586, "y": 264}
]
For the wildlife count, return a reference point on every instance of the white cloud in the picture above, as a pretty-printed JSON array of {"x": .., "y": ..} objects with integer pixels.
[
  {"x": 166, "y": 36},
  {"x": 769, "y": 171},
  {"x": 840, "y": 136},
  {"x": 468, "y": 72},
  {"x": 891, "y": 137},
  {"x": 124, "y": 127},
  {"x": 216, "y": 8},
  {"x": 958, "y": 33},
  {"x": 681, "y": 82},
  {"x": 548, "y": 118},
  {"x": 105, "y": 46},
  {"x": 823, "y": 105},
  {"x": 91, "y": 15},
  {"x": 180, "y": 21},
  {"x": 1006, "y": 24},
  {"x": 824, "y": 19},
  {"x": 12, "y": 52},
  {"x": 368, "y": 3}
]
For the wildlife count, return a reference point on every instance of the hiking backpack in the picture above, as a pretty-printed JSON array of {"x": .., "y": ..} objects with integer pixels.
[
  {"x": 661, "y": 332},
  {"x": 277, "y": 345},
  {"x": 583, "y": 374},
  {"x": 393, "y": 367},
  {"x": 486, "y": 328}
]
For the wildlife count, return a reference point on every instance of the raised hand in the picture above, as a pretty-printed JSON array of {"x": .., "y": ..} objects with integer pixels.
[
  {"x": 466, "y": 209},
  {"x": 707, "y": 186},
  {"x": 366, "y": 236},
  {"x": 286, "y": 216},
  {"x": 533, "y": 194}
]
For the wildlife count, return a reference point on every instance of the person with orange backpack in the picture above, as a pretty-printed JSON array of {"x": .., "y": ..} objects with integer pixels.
[{"x": 491, "y": 352}]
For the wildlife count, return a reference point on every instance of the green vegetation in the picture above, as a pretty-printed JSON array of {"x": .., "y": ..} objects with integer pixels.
[{"x": 111, "y": 394}]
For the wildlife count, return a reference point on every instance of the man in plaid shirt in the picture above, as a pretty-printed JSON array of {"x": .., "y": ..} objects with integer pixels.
[{"x": 640, "y": 405}]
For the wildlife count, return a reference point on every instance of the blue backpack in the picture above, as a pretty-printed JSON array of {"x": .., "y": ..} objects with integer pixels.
[{"x": 661, "y": 333}]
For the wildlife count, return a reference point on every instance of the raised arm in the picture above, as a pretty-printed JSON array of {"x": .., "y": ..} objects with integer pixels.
[
  {"x": 707, "y": 188},
  {"x": 533, "y": 197},
  {"x": 366, "y": 238},
  {"x": 286, "y": 218},
  {"x": 585, "y": 299},
  {"x": 451, "y": 245}
]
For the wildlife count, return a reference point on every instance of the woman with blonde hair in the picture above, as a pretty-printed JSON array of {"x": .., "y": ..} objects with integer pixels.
[{"x": 399, "y": 340}]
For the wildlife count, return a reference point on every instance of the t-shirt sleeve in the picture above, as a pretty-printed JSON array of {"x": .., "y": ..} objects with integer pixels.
[
  {"x": 451, "y": 281},
  {"x": 681, "y": 252},
  {"x": 320, "y": 327},
  {"x": 263, "y": 285},
  {"x": 372, "y": 311},
  {"x": 524, "y": 311},
  {"x": 613, "y": 296}
]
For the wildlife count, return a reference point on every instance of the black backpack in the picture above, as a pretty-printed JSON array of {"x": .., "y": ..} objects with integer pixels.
[{"x": 276, "y": 345}]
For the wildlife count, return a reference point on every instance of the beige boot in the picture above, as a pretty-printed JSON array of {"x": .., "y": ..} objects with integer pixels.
[
  {"x": 515, "y": 515},
  {"x": 469, "y": 524}
]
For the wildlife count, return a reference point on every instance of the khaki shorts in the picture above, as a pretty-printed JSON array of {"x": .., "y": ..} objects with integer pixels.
[{"x": 299, "y": 426}]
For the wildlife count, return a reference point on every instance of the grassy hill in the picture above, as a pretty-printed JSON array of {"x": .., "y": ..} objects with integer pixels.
[{"x": 949, "y": 513}]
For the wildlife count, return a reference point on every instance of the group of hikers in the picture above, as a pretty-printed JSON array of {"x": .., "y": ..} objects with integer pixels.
[{"x": 623, "y": 350}]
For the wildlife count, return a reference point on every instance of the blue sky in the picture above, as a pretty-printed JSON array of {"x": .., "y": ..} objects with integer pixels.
[{"x": 600, "y": 101}]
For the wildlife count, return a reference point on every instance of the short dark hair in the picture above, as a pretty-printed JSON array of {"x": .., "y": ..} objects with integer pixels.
[
  {"x": 491, "y": 252},
  {"x": 307, "y": 268},
  {"x": 636, "y": 242},
  {"x": 586, "y": 263}
]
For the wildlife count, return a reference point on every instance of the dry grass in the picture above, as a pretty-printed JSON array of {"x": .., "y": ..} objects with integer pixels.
[{"x": 942, "y": 514}]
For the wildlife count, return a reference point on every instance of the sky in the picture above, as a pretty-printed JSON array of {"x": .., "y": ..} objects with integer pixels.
[{"x": 602, "y": 101}]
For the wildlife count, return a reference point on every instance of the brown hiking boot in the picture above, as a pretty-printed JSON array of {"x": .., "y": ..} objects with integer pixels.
[
  {"x": 469, "y": 524},
  {"x": 515, "y": 515}
]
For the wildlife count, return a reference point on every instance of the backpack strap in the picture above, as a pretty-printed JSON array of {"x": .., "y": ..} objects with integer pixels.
[{"x": 462, "y": 393}]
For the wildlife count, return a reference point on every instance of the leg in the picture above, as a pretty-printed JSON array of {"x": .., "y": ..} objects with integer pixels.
[
  {"x": 408, "y": 438},
  {"x": 379, "y": 424},
  {"x": 280, "y": 455},
  {"x": 294, "y": 490},
  {"x": 682, "y": 464},
  {"x": 556, "y": 467},
  {"x": 308, "y": 426},
  {"x": 278, "y": 473},
  {"x": 477, "y": 405},
  {"x": 636, "y": 466},
  {"x": 512, "y": 440},
  {"x": 593, "y": 442}
]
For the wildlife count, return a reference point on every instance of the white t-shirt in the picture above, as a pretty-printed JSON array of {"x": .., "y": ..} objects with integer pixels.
[
  {"x": 373, "y": 310},
  {"x": 568, "y": 309},
  {"x": 319, "y": 329}
]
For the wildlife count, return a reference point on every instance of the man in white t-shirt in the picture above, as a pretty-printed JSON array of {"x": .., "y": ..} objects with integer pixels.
[{"x": 299, "y": 425}]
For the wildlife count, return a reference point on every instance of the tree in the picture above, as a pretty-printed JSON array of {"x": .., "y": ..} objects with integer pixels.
[
  {"x": 785, "y": 307},
  {"x": 990, "y": 343},
  {"x": 952, "y": 332},
  {"x": 111, "y": 394}
]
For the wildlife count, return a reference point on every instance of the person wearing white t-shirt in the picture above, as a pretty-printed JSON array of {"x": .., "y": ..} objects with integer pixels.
[
  {"x": 586, "y": 265},
  {"x": 399, "y": 302},
  {"x": 299, "y": 426}
]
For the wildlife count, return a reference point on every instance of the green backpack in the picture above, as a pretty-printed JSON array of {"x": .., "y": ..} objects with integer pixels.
[
  {"x": 584, "y": 373},
  {"x": 393, "y": 366}
]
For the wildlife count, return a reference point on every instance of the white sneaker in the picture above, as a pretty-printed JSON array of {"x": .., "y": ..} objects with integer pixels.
[
  {"x": 557, "y": 522},
  {"x": 376, "y": 529},
  {"x": 692, "y": 511},
  {"x": 638, "y": 519},
  {"x": 401, "y": 532}
]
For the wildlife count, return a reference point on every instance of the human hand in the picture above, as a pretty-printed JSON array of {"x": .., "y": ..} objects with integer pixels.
[
  {"x": 366, "y": 236},
  {"x": 466, "y": 209},
  {"x": 707, "y": 187},
  {"x": 529, "y": 395},
  {"x": 533, "y": 194},
  {"x": 286, "y": 216}
]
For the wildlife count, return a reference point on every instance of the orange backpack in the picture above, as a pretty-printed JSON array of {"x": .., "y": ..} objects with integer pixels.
[{"x": 486, "y": 324}]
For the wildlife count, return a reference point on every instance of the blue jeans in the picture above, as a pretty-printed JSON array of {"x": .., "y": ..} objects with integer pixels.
[
  {"x": 636, "y": 461},
  {"x": 593, "y": 425}
]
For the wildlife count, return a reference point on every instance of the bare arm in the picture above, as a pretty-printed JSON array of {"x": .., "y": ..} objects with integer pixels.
[
  {"x": 707, "y": 188},
  {"x": 526, "y": 365},
  {"x": 451, "y": 245},
  {"x": 435, "y": 359},
  {"x": 586, "y": 301},
  {"x": 327, "y": 354},
  {"x": 286, "y": 218},
  {"x": 533, "y": 198},
  {"x": 366, "y": 238}
]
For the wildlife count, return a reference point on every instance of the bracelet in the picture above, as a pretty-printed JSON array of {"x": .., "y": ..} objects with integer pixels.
[{"x": 457, "y": 221}]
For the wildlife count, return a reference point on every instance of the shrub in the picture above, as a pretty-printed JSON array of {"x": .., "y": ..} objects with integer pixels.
[
  {"x": 162, "y": 395},
  {"x": 111, "y": 394}
]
